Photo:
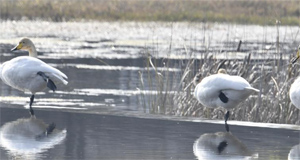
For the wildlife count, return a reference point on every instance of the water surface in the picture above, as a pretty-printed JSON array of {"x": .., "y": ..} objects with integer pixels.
[{"x": 94, "y": 136}]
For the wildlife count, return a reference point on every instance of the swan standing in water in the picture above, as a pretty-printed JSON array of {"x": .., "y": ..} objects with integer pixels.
[
  {"x": 221, "y": 145},
  {"x": 223, "y": 90},
  {"x": 27, "y": 73}
]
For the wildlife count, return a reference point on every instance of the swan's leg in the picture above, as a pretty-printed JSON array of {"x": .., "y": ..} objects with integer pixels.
[
  {"x": 30, "y": 105},
  {"x": 225, "y": 99},
  {"x": 226, "y": 118},
  {"x": 50, "y": 83}
]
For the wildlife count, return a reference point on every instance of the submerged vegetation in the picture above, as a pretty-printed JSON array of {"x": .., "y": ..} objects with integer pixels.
[{"x": 244, "y": 12}]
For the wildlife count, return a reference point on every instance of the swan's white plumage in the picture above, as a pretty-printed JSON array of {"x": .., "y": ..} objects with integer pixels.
[
  {"x": 295, "y": 93},
  {"x": 28, "y": 73},
  {"x": 21, "y": 73},
  {"x": 235, "y": 88}
]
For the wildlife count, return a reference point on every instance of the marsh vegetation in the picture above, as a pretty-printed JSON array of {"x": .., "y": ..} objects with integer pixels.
[{"x": 245, "y": 12}]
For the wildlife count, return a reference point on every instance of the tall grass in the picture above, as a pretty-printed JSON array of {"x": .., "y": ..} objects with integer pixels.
[{"x": 272, "y": 76}]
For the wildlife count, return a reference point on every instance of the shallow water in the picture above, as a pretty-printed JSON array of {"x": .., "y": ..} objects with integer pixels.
[
  {"x": 101, "y": 107},
  {"x": 93, "y": 136}
]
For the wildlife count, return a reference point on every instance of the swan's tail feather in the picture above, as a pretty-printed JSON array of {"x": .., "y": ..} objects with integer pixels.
[
  {"x": 252, "y": 89},
  {"x": 62, "y": 77}
]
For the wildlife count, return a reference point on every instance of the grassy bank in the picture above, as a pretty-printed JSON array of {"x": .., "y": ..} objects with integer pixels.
[{"x": 245, "y": 12}]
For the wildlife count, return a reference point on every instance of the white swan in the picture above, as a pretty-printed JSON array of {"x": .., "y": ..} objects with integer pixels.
[
  {"x": 295, "y": 90},
  {"x": 223, "y": 90},
  {"x": 295, "y": 93},
  {"x": 26, "y": 138},
  {"x": 221, "y": 145},
  {"x": 27, "y": 73}
]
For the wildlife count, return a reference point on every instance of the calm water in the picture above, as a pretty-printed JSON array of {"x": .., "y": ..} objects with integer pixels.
[
  {"x": 92, "y": 136},
  {"x": 101, "y": 108}
]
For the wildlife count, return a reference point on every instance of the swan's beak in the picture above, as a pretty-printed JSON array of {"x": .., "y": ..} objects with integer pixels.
[
  {"x": 294, "y": 60},
  {"x": 17, "y": 47}
]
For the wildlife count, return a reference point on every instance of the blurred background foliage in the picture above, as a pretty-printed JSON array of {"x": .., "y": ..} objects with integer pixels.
[{"x": 242, "y": 11}]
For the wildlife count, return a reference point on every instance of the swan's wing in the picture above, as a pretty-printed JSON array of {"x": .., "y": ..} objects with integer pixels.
[
  {"x": 54, "y": 73},
  {"x": 1, "y": 72},
  {"x": 35, "y": 65},
  {"x": 227, "y": 82},
  {"x": 237, "y": 83},
  {"x": 295, "y": 92},
  {"x": 25, "y": 67}
]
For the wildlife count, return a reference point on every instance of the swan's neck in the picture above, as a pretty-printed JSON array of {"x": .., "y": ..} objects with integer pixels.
[{"x": 32, "y": 52}]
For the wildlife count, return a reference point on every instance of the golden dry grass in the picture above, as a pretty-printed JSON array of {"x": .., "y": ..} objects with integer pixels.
[{"x": 237, "y": 11}]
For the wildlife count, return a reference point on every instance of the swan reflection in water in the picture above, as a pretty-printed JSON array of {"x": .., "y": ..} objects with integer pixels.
[
  {"x": 221, "y": 145},
  {"x": 27, "y": 138},
  {"x": 294, "y": 153}
]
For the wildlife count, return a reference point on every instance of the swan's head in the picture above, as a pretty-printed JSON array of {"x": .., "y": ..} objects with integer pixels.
[
  {"x": 294, "y": 60},
  {"x": 222, "y": 71},
  {"x": 25, "y": 44}
]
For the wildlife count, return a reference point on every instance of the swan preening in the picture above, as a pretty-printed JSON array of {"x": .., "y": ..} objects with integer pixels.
[
  {"x": 220, "y": 145},
  {"x": 223, "y": 90},
  {"x": 26, "y": 137},
  {"x": 28, "y": 73}
]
